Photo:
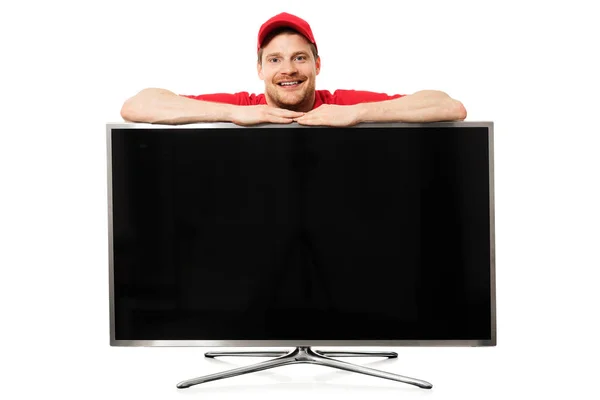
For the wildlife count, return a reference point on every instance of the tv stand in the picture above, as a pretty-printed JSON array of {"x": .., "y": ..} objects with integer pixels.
[{"x": 301, "y": 355}]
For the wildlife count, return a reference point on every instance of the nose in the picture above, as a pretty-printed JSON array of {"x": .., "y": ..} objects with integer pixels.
[{"x": 288, "y": 67}]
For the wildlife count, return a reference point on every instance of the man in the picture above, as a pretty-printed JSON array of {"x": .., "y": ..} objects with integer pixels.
[{"x": 288, "y": 63}]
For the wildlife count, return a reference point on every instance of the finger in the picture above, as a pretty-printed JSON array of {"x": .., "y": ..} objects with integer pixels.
[
  {"x": 280, "y": 112},
  {"x": 308, "y": 121},
  {"x": 279, "y": 120}
]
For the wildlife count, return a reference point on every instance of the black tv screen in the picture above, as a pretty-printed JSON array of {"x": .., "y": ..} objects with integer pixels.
[{"x": 378, "y": 234}]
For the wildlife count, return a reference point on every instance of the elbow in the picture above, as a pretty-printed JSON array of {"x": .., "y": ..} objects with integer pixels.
[
  {"x": 128, "y": 111},
  {"x": 132, "y": 109},
  {"x": 449, "y": 109},
  {"x": 139, "y": 108},
  {"x": 455, "y": 109},
  {"x": 460, "y": 111}
]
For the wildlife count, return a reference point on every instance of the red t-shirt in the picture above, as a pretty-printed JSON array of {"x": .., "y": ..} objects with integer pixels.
[{"x": 339, "y": 97}]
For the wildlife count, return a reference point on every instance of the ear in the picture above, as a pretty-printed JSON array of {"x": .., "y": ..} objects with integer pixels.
[
  {"x": 318, "y": 65},
  {"x": 260, "y": 71}
]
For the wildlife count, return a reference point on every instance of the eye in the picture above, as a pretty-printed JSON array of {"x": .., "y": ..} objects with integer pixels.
[
  {"x": 301, "y": 58},
  {"x": 272, "y": 60}
]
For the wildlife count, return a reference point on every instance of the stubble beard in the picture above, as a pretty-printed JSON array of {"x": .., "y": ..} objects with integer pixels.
[{"x": 304, "y": 102}]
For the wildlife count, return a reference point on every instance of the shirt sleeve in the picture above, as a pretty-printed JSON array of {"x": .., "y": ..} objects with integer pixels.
[
  {"x": 238, "y": 99},
  {"x": 351, "y": 97}
]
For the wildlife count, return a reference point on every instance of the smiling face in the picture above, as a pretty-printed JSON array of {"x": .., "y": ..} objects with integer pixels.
[{"x": 289, "y": 69}]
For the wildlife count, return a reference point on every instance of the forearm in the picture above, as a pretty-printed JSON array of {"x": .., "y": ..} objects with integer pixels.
[
  {"x": 424, "y": 106},
  {"x": 160, "y": 106}
]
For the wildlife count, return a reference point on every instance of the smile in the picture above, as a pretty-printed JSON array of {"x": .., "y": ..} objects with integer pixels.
[{"x": 290, "y": 83}]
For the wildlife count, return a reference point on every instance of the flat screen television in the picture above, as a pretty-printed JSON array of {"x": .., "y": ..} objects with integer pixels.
[{"x": 292, "y": 236}]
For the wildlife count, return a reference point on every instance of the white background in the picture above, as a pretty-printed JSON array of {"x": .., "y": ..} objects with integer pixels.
[{"x": 529, "y": 66}]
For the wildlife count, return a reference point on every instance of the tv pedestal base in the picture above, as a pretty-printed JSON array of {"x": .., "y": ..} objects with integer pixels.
[{"x": 302, "y": 355}]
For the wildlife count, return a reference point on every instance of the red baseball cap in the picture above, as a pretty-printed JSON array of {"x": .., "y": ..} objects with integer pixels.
[{"x": 287, "y": 20}]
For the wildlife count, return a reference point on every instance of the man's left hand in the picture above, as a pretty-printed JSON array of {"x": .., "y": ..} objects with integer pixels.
[{"x": 330, "y": 115}]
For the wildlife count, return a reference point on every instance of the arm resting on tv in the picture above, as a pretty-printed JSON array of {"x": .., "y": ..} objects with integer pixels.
[
  {"x": 160, "y": 106},
  {"x": 423, "y": 106}
]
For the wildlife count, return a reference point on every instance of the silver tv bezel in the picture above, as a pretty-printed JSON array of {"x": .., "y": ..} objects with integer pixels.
[{"x": 295, "y": 343}]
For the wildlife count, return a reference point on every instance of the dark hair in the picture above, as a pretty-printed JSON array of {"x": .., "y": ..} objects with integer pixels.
[{"x": 279, "y": 31}]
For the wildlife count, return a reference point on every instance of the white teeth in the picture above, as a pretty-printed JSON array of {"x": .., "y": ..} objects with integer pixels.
[{"x": 288, "y": 83}]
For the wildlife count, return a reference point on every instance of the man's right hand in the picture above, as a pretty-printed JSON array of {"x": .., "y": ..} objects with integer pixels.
[{"x": 252, "y": 115}]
